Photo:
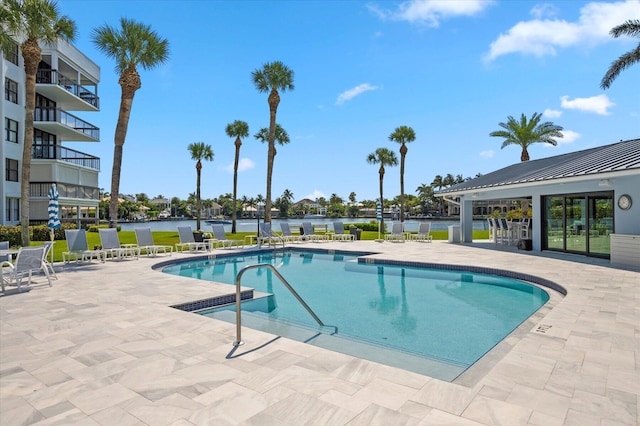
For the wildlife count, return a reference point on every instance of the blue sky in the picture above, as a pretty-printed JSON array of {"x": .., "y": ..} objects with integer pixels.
[{"x": 452, "y": 70}]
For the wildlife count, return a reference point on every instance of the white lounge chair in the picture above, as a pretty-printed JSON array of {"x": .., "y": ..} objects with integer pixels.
[
  {"x": 424, "y": 233},
  {"x": 28, "y": 261},
  {"x": 220, "y": 237},
  {"x": 111, "y": 244},
  {"x": 187, "y": 241},
  {"x": 310, "y": 235},
  {"x": 339, "y": 234},
  {"x": 397, "y": 233},
  {"x": 268, "y": 237},
  {"x": 78, "y": 247},
  {"x": 144, "y": 238},
  {"x": 48, "y": 246},
  {"x": 287, "y": 234}
]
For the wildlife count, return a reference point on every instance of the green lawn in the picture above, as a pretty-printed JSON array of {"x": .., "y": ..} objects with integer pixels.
[{"x": 171, "y": 237}]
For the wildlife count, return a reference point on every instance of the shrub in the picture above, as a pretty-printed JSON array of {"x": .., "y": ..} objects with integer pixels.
[{"x": 94, "y": 228}]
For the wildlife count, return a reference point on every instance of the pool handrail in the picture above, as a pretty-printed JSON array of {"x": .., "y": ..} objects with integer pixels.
[{"x": 238, "y": 340}]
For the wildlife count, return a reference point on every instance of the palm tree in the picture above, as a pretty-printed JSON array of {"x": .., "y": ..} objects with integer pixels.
[
  {"x": 402, "y": 135},
  {"x": 527, "y": 132},
  {"x": 199, "y": 151},
  {"x": 425, "y": 194},
  {"x": 270, "y": 78},
  {"x": 281, "y": 137},
  {"x": 629, "y": 28},
  {"x": 35, "y": 22},
  {"x": 384, "y": 157},
  {"x": 438, "y": 182},
  {"x": 132, "y": 45},
  {"x": 238, "y": 129}
]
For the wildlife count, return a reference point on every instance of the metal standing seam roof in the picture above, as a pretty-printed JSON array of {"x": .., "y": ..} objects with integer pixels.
[{"x": 619, "y": 156}]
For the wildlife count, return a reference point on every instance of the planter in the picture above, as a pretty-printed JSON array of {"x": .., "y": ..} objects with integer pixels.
[{"x": 198, "y": 238}]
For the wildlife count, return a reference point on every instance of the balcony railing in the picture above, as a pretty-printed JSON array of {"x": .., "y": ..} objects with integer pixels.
[
  {"x": 60, "y": 116},
  {"x": 68, "y": 84},
  {"x": 65, "y": 190},
  {"x": 57, "y": 152}
]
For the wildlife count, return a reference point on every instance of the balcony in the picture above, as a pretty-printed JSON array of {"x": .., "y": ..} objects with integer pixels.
[
  {"x": 66, "y": 126},
  {"x": 66, "y": 92},
  {"x": 61, "y": 153}
]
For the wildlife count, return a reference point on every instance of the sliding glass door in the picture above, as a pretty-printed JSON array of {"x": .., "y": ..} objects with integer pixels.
[{"x": 578, "y": 223}]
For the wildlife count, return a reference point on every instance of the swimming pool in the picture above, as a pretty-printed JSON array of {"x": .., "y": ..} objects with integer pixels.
[{"x": 435, "y": 322}]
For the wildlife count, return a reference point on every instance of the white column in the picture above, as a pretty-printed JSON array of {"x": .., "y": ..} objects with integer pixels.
[
  {"x": 466, "y": 219},
  {"x": 536, "y": 222}
]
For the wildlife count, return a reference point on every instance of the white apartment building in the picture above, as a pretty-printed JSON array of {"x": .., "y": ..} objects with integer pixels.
[{"x": 66, "y": 81}]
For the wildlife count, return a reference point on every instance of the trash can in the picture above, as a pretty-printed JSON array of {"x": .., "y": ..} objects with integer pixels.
[
  {"x": 454, "y": 233},
  {"x": 525, "y": 244},
  {"x": 355, "y": 231}
]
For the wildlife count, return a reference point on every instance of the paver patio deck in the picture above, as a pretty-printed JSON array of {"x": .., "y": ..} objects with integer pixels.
[{"x": 104, "y": 347}]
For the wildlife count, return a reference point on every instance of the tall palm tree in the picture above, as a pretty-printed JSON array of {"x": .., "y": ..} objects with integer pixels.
[
  {"x": 403, "y": 135},
  {"x": 132, "y": 45},
  {"x": 526, "y": 132},
  {"x": 384, "y": 157},
  {"x": 270, "y": 78},
  {"x": 238, "y": 129},
  {"x": 34, "y": 22},
  {"x": 629, "y": 28},
  {"x": 199, "y": 151}
]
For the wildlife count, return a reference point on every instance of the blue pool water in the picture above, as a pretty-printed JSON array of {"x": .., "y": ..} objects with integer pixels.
[{"x": 446, "y": 320}]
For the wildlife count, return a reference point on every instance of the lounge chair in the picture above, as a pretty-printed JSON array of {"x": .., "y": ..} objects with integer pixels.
[
  {"x": 144, "y": 238},
  {"x": 220, "y": 237},
  {"x": 309, "y": 234},
  {"x": 78, "y": 247},
  {"x": 268, "y": 237},
  {"x": 397, "y": 233},
  {"x": 112, "y": 246},
  {"x": 287, "y": 234},
  {"x": 28, "y": 261},
  {"x": 187, "y": 241},
  {"x": 4, "y": 245},
  {"x": 424, "y": 233},
  {"x": 48, "y": 246},
  {"x": 339, "y": 234}
]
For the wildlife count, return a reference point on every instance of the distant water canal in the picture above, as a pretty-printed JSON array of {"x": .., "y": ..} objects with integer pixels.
[{"x": 250, "y": 225}]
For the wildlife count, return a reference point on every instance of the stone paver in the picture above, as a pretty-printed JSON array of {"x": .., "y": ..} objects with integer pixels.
[{"x": 103, "y": 346}]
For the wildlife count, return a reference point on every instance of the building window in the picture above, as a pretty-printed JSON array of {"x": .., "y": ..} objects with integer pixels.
[
  {"x": 11, "y": 130},
  {"x": 12, "y": 213},
  {"x": 11, "y": 54},
  {"x": 11, "y": 90},
  {"x": 12, "y": 170}
]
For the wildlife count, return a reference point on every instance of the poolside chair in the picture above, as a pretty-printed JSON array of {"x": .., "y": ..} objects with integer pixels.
[
  {"x": 397, "y": 233},
  {"x": 492, "y": 229},
  {"x": 188, "y": 241},
  {"x": 28, "y": 261},
  {"x": 48, "y": 247},
  {"x": 339, "y": 234},
  {"x": 424, "y": 233},
  {"x": 267, "y": 236},
  {"x": 144, "y": 238},
  {"x": 310, "y": 235},
  {"x": 4, "y": 245},
  {"x": 220, "y": 237},
  {"x": 112, "y": 246},
  {"x": 78, "y": 247},
  {"x": 287, "y": 234}
]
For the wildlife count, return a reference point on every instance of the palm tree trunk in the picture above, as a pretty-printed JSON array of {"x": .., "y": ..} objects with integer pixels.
[
  {"x": 381, "y": 172},
  {"x": 235, "y": 185},
  {"x": 129, "y": 82},
  {"x": 403, "y": 153},
  {"x": 198, "y": 201},
  {"x": 274, "y": 100},
  {"x": 31, "y": 53}
]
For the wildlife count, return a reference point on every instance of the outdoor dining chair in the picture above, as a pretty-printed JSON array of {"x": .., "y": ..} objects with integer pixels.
[{"x": 28, "y": 261}]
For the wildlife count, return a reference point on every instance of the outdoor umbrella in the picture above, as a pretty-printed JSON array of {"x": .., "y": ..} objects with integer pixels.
[{"x": 54, "y": 221}]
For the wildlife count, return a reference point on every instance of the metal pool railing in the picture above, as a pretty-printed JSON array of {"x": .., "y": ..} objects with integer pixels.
[{"x": 239, "y": 341}]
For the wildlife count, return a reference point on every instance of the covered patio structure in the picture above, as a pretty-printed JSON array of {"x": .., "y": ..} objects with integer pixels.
[{"x": 585, "y": 202}]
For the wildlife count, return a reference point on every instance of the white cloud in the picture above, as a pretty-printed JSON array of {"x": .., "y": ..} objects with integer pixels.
[
  {"x": 431, "y": 12},
  {"x": 487, "y": 154},
  {"x": 347, "y": 95},
  {"x": 315, "y": 194},
  {"x": 243, "y": 164},
  {"x": 569, "y": 136},
  {"x": 541, "y": 37},
  {"x": 552, "y": 113},
  {"x": 544, "y": 10},
  {"x": 597, "y": 104}
]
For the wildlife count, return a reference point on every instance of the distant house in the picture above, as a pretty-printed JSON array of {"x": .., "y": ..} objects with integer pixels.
[
  {"x": 581, "y": 202},
  {"x": 161, "y": 203}
]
